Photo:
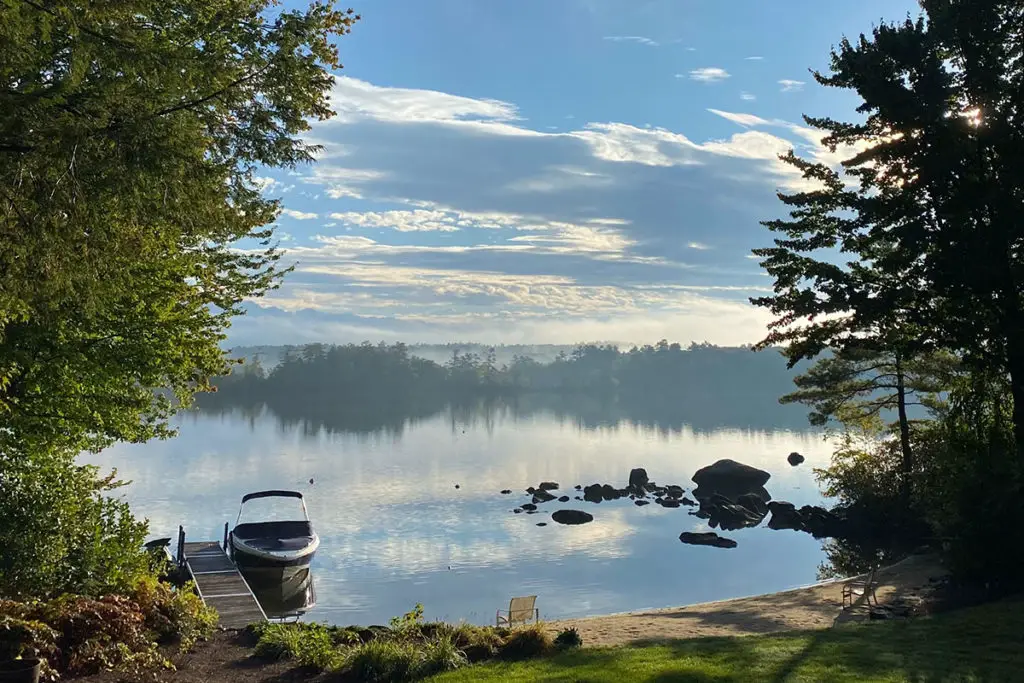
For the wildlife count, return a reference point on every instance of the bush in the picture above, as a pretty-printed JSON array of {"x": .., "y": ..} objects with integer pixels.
[
  {"x": 568, "y": 638},
  {"x": 61, "y": 533},
  {"x": 410, "y": 620},
  {"x": 529, "y": 641},
  {"x": 79, "y": 635},
  {"x": 174, "y": 616},
  {"x": 383, "y": 661},
  {"x": 310, "y": 645}
]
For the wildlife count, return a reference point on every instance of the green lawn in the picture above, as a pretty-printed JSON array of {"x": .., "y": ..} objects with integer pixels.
[{"x": 978, "y": 644}]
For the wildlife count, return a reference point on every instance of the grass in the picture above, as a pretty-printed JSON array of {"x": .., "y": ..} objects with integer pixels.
[{"x": 979, "y": 644}]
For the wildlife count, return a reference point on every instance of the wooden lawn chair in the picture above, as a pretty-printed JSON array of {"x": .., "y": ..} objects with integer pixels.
[{"x": 855, "y": 588}]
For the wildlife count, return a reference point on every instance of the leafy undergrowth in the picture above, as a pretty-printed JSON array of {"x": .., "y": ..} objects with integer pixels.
[
  {"x": 78, "y": 636},
  {"x": 408, "y": 650},
  {"x": 976, "y": 644}
]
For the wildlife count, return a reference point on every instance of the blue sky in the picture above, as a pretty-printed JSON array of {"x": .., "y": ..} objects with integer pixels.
[{"x": 552, "y": 171}]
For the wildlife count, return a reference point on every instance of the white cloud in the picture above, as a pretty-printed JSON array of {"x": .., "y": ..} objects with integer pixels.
[
  {"x": 708, "y": 74},
  {"x": 747, "y": 97},
  {"x": 458, "y": 220},
  {"x": 755, "y": 58},
  {"x": 632, "y": 39},
  {"x": 742, "y": 119},
  {"x": 299, "y": 215},
  {"x": 789, "y": 85},
  {"x": 265, "y": 183}
]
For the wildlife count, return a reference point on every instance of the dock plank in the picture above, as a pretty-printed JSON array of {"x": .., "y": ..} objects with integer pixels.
[{"x": 221, "y": 585}]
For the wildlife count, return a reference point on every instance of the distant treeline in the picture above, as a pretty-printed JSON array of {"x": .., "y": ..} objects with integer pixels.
[{"x": 365, "y": 386}]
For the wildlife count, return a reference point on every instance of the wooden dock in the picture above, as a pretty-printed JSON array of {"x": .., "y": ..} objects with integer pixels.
[{"x": 219, "y": 583}]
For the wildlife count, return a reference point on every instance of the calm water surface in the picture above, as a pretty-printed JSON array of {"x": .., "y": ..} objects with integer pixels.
[{"x": 395, "y": 531}]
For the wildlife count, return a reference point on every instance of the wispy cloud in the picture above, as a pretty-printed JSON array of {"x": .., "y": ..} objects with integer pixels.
[
  {"x": 742, "y": 119},
  {"x": 452, "y": 217},
  {"x": 747, "y": 97},
  {"x": 754, "y": 58},
  {"x": 789, "y": 85},
  {"x": 299, "y": 215},
  {"x": 642, "y": 40},
  {"x": 708, "y": 74}
]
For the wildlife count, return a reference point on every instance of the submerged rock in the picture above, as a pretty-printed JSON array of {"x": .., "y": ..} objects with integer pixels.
[
  {"x": 668, "y": 502},
  {"x": 563, "y": 499},
  {"x": 706, "y": 538},
  {"x": 572, "y": 517},
  {"x": 641, "y": 501},
  {"x": 795, "y": 459},
  {"x": 517, "y": 510},
  {"x": 505, "y": 492},
  {"x": 528, "y": 506},
  {"x": 542, "y": 523}
]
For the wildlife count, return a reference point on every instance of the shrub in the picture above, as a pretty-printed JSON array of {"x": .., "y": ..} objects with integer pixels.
[
  {"x": 23, "y": 638},
  {"x": 383, "y": 661},
  {"x": 174, "y": 615},
  {"x": 568, "y": 638},
  {"x": 410, "y": 620},
  {"x": 529, "y": 641},
  {"x": 61, "y": 533},
  {"x": 438, "y": 655},
  {"x": 310, "y": 645}
]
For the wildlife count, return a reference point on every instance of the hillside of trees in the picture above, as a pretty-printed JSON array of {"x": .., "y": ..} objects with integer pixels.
[{"x": 365, "y": 387}]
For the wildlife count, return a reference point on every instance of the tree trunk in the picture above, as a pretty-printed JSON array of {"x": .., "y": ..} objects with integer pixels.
[
  {"x": 907, "y": 464},
  {"x": 1016, "y": 363}
]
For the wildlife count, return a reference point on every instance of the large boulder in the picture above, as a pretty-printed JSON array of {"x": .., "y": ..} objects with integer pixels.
[
  {"x": 638, "y": 478},
  {"x": 795, "y": 459},
  {"x": 706, "y": 538},
  {"x": 572, "y": 517},
  {"x": 729, "y": 475},
  {"x": 548, "y": 486},
  {"x": 721, "y": 512}
]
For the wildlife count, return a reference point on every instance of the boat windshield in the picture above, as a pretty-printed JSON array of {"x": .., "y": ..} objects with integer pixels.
[{"x": 272, "y": 509}]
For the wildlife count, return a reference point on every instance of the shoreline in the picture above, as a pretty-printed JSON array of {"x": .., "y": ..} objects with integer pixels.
[{"x": 813, "y": 606}]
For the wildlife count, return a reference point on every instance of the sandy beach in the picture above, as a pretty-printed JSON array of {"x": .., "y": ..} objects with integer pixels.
[{"x": 810, "y": 607}]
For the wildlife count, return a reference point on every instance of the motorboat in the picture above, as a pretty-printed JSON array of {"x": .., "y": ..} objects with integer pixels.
[{"x": 273, "y": 544}]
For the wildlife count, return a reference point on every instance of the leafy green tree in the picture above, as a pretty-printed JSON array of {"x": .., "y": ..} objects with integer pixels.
[
  {"x": 930, "y": 219},
  {"x": 129, "y": 135}
]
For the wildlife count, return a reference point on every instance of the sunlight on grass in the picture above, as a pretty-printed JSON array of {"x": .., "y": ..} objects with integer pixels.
[{"x": 978, "y": 644}]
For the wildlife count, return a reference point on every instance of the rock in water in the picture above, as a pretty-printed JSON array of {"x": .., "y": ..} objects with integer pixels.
[
  {"x": 528, "y": 506},
  {"x": 548, "y": 486},
  {"x": 542, "y": 523},
  {"x": 505, "y": 492},
  {"x": 706, "y": 538},
  {"x": 668, "y": 502},
  {"x": 542, "y": 496},
  {"x": 592, "y": 493},
  {"x": 641, "y": 501},
  {"x": 572, "y": 517},
  {"x": 795, "y": 459},
  {"x": 563, "y": 499},
  {"x": 673, "y": 491},
  {"x": 730, "y": 475},
  {"x": 638, "y": 478},
  {"x": 784, "y": 516}
]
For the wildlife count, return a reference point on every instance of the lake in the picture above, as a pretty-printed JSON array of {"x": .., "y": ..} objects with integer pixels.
[{"x": 395, "y": 530}]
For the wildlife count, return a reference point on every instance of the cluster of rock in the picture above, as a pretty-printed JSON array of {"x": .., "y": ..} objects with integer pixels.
[{"x": 729, "y": 495}]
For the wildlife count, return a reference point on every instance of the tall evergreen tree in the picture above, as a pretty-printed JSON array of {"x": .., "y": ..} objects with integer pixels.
[{"x": 931, "y": 218}]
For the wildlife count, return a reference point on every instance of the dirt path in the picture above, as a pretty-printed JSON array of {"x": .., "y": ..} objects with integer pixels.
[{"x": 816, "y": 606}]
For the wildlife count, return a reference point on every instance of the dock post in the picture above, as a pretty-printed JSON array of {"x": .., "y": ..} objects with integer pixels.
[
  {"x": 181, "y": 546},
  {"x": 225, "y": 537}
]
